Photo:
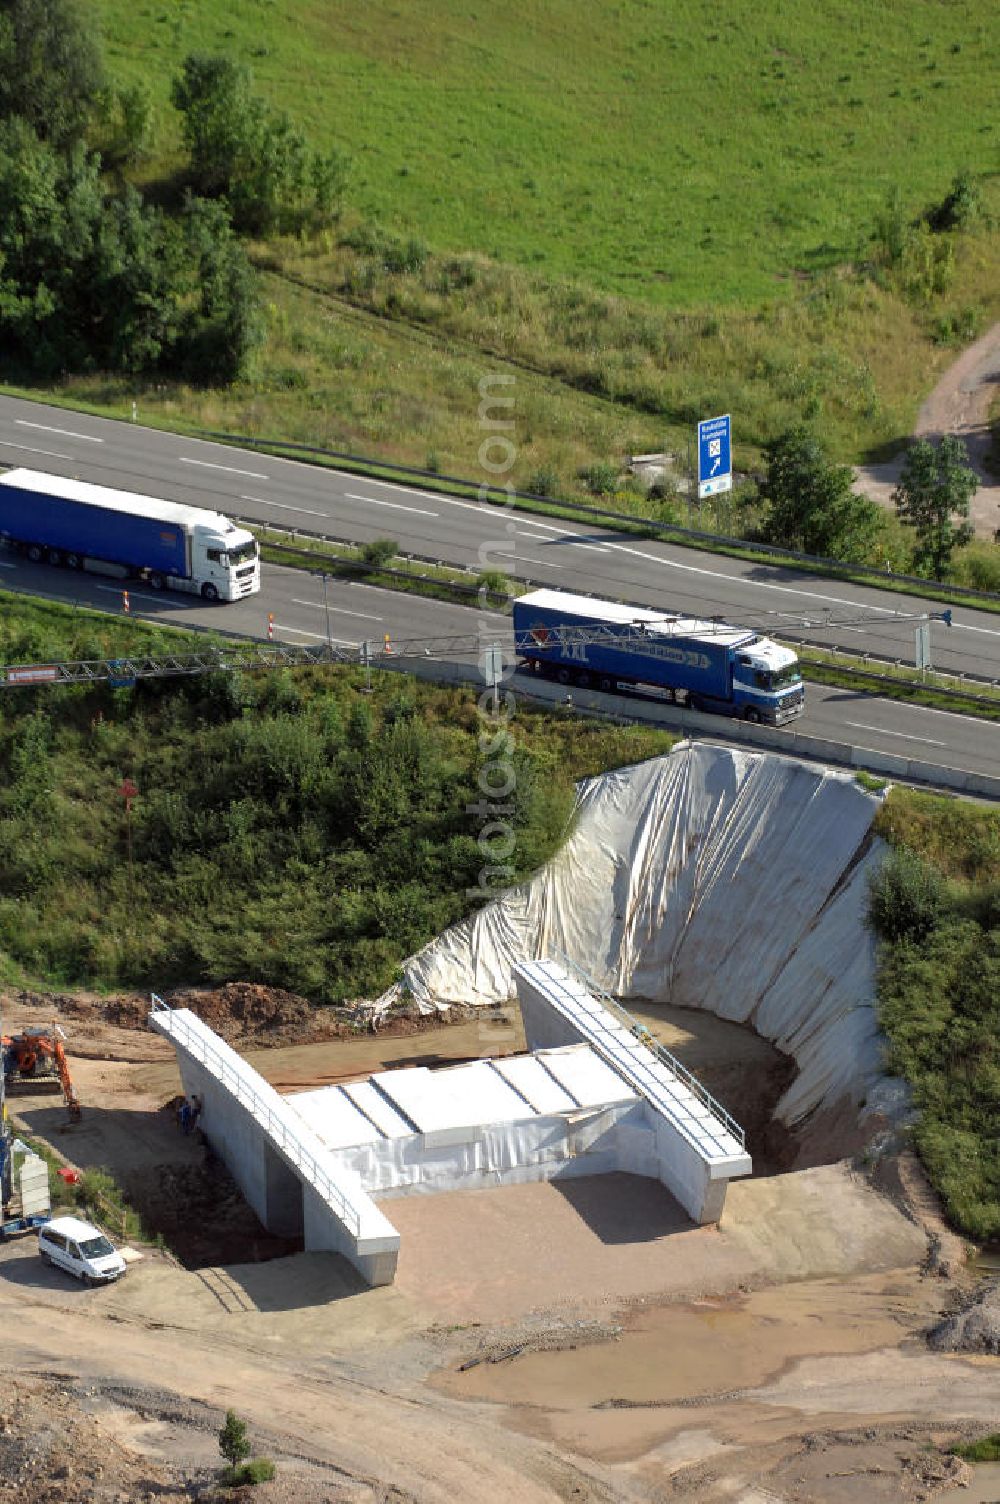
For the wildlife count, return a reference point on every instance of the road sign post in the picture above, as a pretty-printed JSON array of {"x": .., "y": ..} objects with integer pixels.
[
  {"x": 491, "y": 668},
  {"x": 715, "y": 459},
  {"x": 923, "y": 656}
]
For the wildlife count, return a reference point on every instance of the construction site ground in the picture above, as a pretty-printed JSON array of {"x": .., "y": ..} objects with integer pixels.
[{"x": 580, "y": 1341}]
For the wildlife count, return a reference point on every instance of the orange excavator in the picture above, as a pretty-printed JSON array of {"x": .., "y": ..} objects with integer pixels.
[{"x": 36, "y": 1059}]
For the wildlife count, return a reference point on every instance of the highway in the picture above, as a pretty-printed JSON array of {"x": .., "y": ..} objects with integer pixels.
[{"x": 465, "y": 533}]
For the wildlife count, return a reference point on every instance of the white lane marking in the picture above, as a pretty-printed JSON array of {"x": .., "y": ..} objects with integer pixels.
[
  {"x": 597, "y": 548},
  {"x": 8, "y": 566},
  {"x": 340, "y": 610},
  {"x": 954, "y": 715},
  {"x": 523, "y": 559},
  {"x": 69, "y": 432},
  {"x": 134, "y": 595},
  {"x": 397, "y": 506},
  {"x": 320, "y": 636},
  {"x": 230, "y": 469},
  {"x": 810, "y": 595},
  {"x": 282, "y": 506},
  {"x": 905, "y": 735},
  {"x": 52, "y": 453},
  {"x": 485, "y": 508}
]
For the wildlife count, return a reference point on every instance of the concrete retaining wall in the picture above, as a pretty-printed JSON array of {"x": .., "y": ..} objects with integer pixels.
[
  {"x": 287, "y": 1175},
  {"x": 695, "y": 1170}
]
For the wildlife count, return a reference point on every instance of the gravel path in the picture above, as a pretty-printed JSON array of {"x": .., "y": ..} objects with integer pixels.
[{"x": 959, "y": 404}]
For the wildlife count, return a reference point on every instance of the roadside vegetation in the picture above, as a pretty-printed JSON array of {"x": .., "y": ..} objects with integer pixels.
[
  {"x": 288, "y": 826},
  {"x": 935, "y": 908}
]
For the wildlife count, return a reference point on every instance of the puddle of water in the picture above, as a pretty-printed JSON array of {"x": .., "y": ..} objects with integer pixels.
[
  {"x": 983, "y": 1489},
  {"x": 679, "y": 1352}
]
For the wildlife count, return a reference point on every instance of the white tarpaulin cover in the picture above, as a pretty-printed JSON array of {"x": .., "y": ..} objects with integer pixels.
[{"x": 713, "y": 878}]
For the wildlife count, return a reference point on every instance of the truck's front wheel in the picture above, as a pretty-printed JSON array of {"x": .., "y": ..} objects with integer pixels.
[
  {"x": 34, "y": 553},
  {"x": 156, "y": 581},
  {"x": 209, "y": 593},
  {"x": 751, "y": 714}
]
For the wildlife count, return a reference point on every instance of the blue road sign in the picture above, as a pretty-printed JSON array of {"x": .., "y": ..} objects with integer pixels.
[{"x": 715, "y": 465}]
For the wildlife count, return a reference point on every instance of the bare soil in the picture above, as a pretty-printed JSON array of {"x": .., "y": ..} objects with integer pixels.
[
  {"x": 581, "y": 1342},
  {"x": 960, "y": 404}
]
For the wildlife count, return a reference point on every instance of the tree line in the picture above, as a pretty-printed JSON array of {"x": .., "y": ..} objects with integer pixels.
[
  {"x": 92, "y": 277},
  {"x": 813, "y": 507}
]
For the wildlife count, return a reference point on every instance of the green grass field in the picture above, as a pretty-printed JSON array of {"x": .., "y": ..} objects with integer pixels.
[
  {"x": 642, "y": 212},
  {"x": 683, "y": 153}
]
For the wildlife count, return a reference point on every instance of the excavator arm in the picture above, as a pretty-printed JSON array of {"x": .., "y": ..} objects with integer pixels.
[{"x": 23, "y": 1054}]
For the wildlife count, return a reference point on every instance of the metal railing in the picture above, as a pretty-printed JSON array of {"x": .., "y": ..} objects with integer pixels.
[
  {"x": 272, "y": 1116},
  {"x": 643, "y": 1037},
  {"x": 498, "y": 495}
]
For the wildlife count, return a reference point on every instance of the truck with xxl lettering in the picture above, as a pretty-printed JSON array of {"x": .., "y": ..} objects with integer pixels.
[
  {"x": 705, "y": 664},
  {"x": 167, "y": 544}
]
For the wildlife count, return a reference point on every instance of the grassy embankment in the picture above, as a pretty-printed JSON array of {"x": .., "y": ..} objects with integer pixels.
[
  {"x": 937, "y": 913},
  {"x": 288, "y": 826},
  {"x": 566, "y": 205}
]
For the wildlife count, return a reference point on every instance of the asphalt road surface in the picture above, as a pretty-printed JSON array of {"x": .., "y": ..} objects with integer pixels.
[{"x": 465, "y": 533}]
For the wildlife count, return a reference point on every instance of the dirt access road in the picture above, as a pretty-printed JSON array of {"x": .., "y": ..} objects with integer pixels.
[
  {"x": 540, "y": 1343},
  {"x": 960, "y": 404}
]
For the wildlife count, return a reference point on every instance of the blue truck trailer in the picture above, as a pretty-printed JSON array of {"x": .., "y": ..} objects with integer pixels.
[
  {"x": 167, "y": 544},
  {"x": 707, "y": 665}
]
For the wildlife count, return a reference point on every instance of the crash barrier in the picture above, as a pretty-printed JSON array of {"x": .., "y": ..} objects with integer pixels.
[{"x": 666, "y": 531}]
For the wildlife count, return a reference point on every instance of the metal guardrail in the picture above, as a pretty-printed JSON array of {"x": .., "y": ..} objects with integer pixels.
[
  {"x": 263, "y": 1112},
  {"x": 321, "y": 564},
  {"x": 499, "y": 495},
  {"x": 643, "y": 1037}
]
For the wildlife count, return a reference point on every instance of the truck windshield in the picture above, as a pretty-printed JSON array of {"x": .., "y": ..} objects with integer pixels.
[
  {"x": 243, "y": 554},
  {"x": 781, "y": 678}
]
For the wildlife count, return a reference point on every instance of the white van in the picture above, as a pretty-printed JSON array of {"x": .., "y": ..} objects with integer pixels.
[{"x": 81, "y": 1249}]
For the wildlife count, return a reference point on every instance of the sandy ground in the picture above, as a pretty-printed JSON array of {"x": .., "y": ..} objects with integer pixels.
[
  {"x": 582, "y": 1342},
  {"x": 960, "y": 404}
]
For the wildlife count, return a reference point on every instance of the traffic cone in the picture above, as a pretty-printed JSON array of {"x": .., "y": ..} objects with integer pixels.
[
  {"x": 126, "y": 608},
  {"x": 270, "y": 627},
  {"x": 388, "y": 646}
]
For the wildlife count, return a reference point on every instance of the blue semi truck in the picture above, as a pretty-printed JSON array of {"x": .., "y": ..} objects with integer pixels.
[
  {"x": 165, "y": 543},
  {"x": 706, "y": 665}
]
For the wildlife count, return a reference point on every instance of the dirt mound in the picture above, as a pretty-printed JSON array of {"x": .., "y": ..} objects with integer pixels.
[
  {"x": 51, "y": 1452},
  {"x": 973, "y": 1329}
]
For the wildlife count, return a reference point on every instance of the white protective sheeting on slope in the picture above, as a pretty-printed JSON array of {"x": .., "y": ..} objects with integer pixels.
[{"x": 713, "y": 878}]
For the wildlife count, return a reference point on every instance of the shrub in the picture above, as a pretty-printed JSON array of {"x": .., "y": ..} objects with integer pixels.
[
  {"x": 906, "y": 898},
  {"x": 601, "y": 479},
  {"x": 494, "y": 583},
  {"x": 986, "y": 1449},
  {"x": 260, "y": 1470},
  {"x": 378, "y": 553},
  {"x": 543, "y": 482}
]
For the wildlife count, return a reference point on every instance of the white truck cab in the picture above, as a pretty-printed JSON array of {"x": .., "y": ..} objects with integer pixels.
[
  {"x": 225, "y": 560},
  {"x": 81, "y": 1249},
  {"x": 768, "y": 677}
]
